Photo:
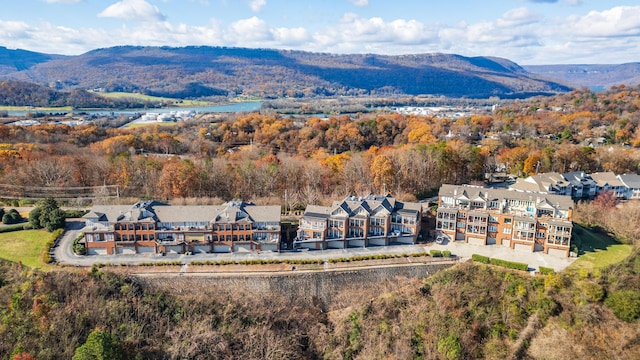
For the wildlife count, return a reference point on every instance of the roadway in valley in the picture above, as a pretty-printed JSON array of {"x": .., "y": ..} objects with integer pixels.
[{"x": 62, "y": 253}]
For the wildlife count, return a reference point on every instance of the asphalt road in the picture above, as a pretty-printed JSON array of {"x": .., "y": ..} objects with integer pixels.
[{"x": 63, "y": 254}]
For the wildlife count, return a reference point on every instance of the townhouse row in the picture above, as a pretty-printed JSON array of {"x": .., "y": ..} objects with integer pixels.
[
  {"x": 529, "y": 221},
  {"x": 580, "y": 185},
  {"x": 152, "y": 227}
]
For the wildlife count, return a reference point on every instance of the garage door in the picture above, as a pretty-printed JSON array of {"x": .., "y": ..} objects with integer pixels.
[
  {"x": 356, "y": 243},
  {"x": 242, "y": 247},
  {"x": 174, "y": 249},
  {"x": 221, "y": 248},
  {"x": 459, "y": 236},
  {"x": 146, "y": 249},
  {"x": 491, "y": 241},
  {"x": 201, "y": 249},
  {"x": 126, "y": 250},
  {"x": 522, "y": 247},
  {"x": 268, "y": 247},
  {"x": 97, "y": 251},
  {"x": 476, "y": 241},
  {"x": 558, "y": 252}
]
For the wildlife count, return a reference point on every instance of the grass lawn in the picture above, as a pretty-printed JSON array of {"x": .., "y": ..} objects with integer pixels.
[
  {"x": 26, "y": 246},
  {"x": 597, "y": 250},
  {"x": 145, "y": 124},
  {"x": 177, "y": 102}
]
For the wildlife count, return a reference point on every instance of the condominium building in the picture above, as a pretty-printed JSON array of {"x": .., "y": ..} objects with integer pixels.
[
  {"x": 152, "y": 227},
  {"x": 529, "y": 221},
  {"x": 359, "y": 222}
]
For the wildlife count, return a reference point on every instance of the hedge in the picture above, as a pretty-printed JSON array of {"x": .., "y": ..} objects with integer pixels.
[
  {"x": 435, "y": 253},
  {"x": 16, "y": 227},
  {"x": 545, "y": 270},
  {"x": 446, "y": 253},
  {"x": 510, "y": 264},
  {"x": 480, "y": 258},
  {"x": 46, "y": 256}
]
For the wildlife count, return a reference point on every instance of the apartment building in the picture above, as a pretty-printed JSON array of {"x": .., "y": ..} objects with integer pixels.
[
  {"x": 528, "y": 221},
  {"x": 156, "y": 228},
  {"x": 359, "y": 222}
]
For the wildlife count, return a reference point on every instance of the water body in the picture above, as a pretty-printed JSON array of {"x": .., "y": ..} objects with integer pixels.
[{"x": 231, "y": 108}]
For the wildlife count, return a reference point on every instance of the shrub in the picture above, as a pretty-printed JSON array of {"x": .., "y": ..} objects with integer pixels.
[
  {"x": 435, "y": 253},
  {"x": 446, "y": 253},
  {"x": 625, "y": 304},
  {"x": 12, "y": 217},
  {"x": 545, "y": 270},
  {"x": 480, "y": 258},
  {"x": 510, "y": 264}
]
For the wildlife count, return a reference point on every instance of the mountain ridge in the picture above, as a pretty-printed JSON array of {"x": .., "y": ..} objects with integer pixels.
[{"x": 201, "y": 71}]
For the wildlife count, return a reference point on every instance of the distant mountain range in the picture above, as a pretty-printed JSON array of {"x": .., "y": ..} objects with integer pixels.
[
  {"x": 200, "y": 71},
  {"x": 592, "y": 76}
]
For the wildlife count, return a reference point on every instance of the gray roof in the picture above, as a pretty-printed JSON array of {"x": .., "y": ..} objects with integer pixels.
[
  {"x": 369, "y": 203},
  {"x": 603, "y": 178},
  {"x": 562, "y": 202},
  {"x": 157, "y": 212},
  {"x": 632, "y": 181}
]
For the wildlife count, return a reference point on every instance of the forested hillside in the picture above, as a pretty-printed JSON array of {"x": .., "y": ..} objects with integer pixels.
[
  {"x": 265, "y": 156},
  {"x": 213, "y": 71},
  {"x": 67, "y": 313}
]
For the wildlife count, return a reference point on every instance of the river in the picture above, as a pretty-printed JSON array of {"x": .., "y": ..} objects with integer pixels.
[{"x": 232, "y": 108}]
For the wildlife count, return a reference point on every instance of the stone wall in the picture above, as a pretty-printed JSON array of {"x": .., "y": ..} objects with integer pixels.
[{"x": 328, "y": 287}]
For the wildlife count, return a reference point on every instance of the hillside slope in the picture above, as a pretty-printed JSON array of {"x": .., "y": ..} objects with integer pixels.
[
  {"x": 211, "y": 71},
  {"x": 450, "y": 315},
  {"x": 592, "y": 76}
]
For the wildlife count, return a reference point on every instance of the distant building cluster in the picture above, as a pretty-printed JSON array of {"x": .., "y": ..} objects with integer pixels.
[
  {"x": 171, "y": 116},
  {"x": 580, "y": 185}
]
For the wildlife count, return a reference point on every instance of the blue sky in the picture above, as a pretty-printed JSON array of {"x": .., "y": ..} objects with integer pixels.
[{"x": 525, "y": 31}]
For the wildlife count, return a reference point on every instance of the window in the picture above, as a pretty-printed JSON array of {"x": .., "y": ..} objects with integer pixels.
[
  {"x": 508, "y": 220},
  {"x": 493, "y": 219},
  {"x": 460, "y": 225},
  {"x": 462, "y": 215},
  {"x": 248, "y": 237},
  {"x": 540, "y": 235},
  {"x": 506, "y": 230},
  {"x": 89, "y": 237},
  {"x": 228, "y": 237},
  {"x": 110, "y": 237},
  {"x": 492, "y": 228}
]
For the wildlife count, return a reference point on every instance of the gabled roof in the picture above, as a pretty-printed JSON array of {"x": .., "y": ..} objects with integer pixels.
[
  {"x": 604, "y": 178},
  {"x": 318, "y": 212},
  {"x": 632, "y": 181}
]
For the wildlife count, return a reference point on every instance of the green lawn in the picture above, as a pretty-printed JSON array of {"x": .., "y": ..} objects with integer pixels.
[
  {"x": 177, "y": 102},
  {"x": 597, "y": 250},
  {"x": 26, "y": 246}
]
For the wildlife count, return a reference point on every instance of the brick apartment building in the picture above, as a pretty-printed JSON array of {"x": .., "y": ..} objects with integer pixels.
[
  {"x": 529, "y": 221},
  {"x": 152, "y": 227}
]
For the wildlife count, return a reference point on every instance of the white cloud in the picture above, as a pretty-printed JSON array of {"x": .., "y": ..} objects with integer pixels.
[
  {"x": 133, "y": 10},
  {"x": 291, "y": 36},
  {"x": 618, "y": 21},
  {"x": 257, "y": 5},
  {"x": 360, "y": 3},
  {"x": 11, "y": 31},
  {"x": 249, "y": 30}
]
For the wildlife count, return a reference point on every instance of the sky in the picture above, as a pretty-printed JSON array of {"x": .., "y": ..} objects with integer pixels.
[{"x": 529, "y": 32}]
